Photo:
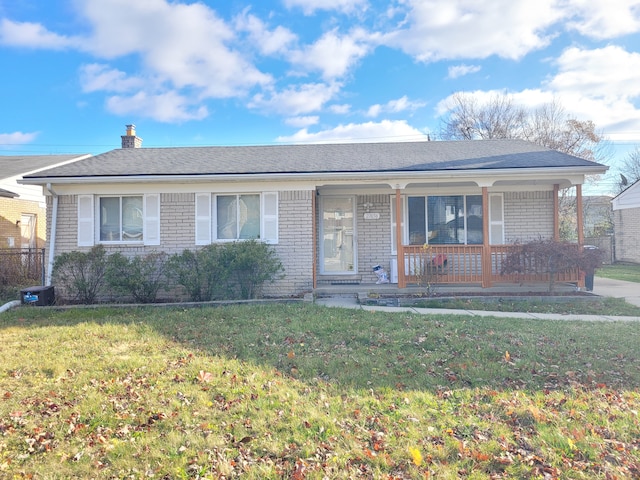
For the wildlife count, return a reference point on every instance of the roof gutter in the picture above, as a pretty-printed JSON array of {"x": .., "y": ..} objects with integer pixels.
[
  {"x": 317, "y": 176},
  {"x": 52, "y": 233}
]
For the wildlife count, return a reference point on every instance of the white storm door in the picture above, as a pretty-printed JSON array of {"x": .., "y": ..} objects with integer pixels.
[{"x": 337, "y": 234}]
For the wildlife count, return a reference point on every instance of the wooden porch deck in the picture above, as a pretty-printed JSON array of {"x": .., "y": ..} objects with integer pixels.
[
  {"x": 457, "y": 269},
  {"x": 474, "y": 264}
]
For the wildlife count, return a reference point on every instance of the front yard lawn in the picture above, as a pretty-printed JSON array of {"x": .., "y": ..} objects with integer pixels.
[
  {"x": 628, "y": 272},
  {"x": 301, "y": 391}
]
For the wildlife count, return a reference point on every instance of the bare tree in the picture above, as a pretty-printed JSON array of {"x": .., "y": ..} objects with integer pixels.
[
  {"x": 501, "y": 117},
  {"x": 468, "y": 120},
  {"x": 549, "y": 126},
  {"x": 629, "y": 170}
]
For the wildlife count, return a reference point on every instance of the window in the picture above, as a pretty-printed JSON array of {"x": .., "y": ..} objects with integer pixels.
[
  {"x": 450, "y": 219},
  {"x": 455, "y": 219},
  {"x": 119, "y": 219},
  {"x": 238, "y": 217},
  {"x": 28, "y": 230},
  {"x": 229, "y": 217}
]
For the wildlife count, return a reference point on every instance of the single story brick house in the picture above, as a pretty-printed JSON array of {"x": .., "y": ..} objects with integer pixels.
[
  {"x": 331, "y": 211},
  {"x": 626, "y": 224}
]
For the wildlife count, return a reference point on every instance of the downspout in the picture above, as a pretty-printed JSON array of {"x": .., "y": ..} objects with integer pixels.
[{"x": 52, "y": 233}]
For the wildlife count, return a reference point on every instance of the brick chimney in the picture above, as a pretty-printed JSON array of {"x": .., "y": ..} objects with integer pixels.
[{"x": 130, "y": 140}]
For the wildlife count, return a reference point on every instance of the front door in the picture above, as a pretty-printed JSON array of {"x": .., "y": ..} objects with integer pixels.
[{"x": 337, "y": 231}]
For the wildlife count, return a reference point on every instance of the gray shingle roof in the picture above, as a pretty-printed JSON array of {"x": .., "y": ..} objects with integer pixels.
[
  {"x": 318, "y": 158},
  {"x": 13, "y": 165}
]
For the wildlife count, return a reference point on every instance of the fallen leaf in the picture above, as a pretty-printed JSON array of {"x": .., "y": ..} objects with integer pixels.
[{"x": 204, "y": 377}]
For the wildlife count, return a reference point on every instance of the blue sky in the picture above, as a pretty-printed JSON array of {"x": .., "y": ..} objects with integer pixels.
[{"x": 241, "y": 72}]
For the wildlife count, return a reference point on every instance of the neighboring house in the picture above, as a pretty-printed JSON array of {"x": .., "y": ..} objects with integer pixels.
[
  {"x": 23, "y": 207},
  {"x": 598, "y": 215},
  {"x": 626, "y": 221},
  {"x": 329, "y": 210}
]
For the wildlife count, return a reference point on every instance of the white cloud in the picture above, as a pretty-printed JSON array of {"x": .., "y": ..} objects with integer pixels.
[
  {"x": 267, "y": 41},
  {"x": 333, "y": 54},
  {"x": 163, "y": 107},
  {"x": 449, "y": 29},
  {"x": 300, "y": 122},
  {"x": 99, "y": 77},
  {"x": 374, "y": 110},
  {"x": 402, "y": 104},
  {"x": 384, "y": 131},
  {"x": 17, "y": 138},
  {"x": 340, "y": 109},
  {"x": 603, "y": 19},
  {"x": 310, "y": 6},
  {"x": 462, "y": 70},
  {"x": 610, "y": 72},
  {"x": 599, "y": 85},
  {"x": 187, "y": 45},
  {"x": 32, "y": 35},
  {"x": 296, "y": 100}
]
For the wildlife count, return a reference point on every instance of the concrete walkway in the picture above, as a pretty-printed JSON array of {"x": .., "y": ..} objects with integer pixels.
[
  {"x": 607, "y": 287},
  {"x": 630, "y": 291}
]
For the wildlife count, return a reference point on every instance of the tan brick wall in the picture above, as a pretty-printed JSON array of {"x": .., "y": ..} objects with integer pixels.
[
  {"x": 295, "y": 247},
  {"x": 177, "y": 216},
  {"x": 528, "y": 216},
  {"x": 11, "y": 210},
  {"x": 627, "y": 235},
  {"x": 374, "y": 236}
]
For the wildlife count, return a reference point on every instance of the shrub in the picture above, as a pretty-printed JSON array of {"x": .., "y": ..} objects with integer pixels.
[
  {"x": 141, "y": 277},
  {"x": 249, "y": 265},
  {"x": 81, "y": 274},
  {"x": 225, "y": 271},
  {"x": 551, "y": 257},
  {"x": 198, "y": 272}
]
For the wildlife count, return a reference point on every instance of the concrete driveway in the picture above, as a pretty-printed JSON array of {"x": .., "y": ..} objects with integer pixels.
[{"x": 607, "y": 287}]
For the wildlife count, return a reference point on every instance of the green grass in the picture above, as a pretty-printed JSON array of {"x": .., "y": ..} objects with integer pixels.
[
  {"x": 604, "y": 306},
  {"x": 307, "y": 392},
  {"x": 627, "y": 272},
  {"x": 8, "y": 294}
]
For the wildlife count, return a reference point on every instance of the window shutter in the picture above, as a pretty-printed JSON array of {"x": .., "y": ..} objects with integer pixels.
[
  {"x": 203, "y": 218},
  {"x": 151, "y": 233},
  {"x": 270, "y": 217},
  {"x": 86, "y": 232},
  {"x": 496, "y": 219}
]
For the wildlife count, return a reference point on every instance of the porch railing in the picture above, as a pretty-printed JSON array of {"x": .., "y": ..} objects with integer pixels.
[
  {"x": 464, "y": 264},
  {"x": 533, "y": 269},
  {"x": 442, "y": 264}
]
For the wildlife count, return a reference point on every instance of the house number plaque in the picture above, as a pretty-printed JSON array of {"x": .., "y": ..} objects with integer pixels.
[{"x": 371, "y": 216}]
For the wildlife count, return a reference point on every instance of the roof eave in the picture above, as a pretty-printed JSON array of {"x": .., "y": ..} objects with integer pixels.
[{"x": 387, "y": 176}]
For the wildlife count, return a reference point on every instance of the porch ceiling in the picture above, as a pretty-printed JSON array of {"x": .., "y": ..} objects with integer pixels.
[{"x": 362, "y": 186}]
